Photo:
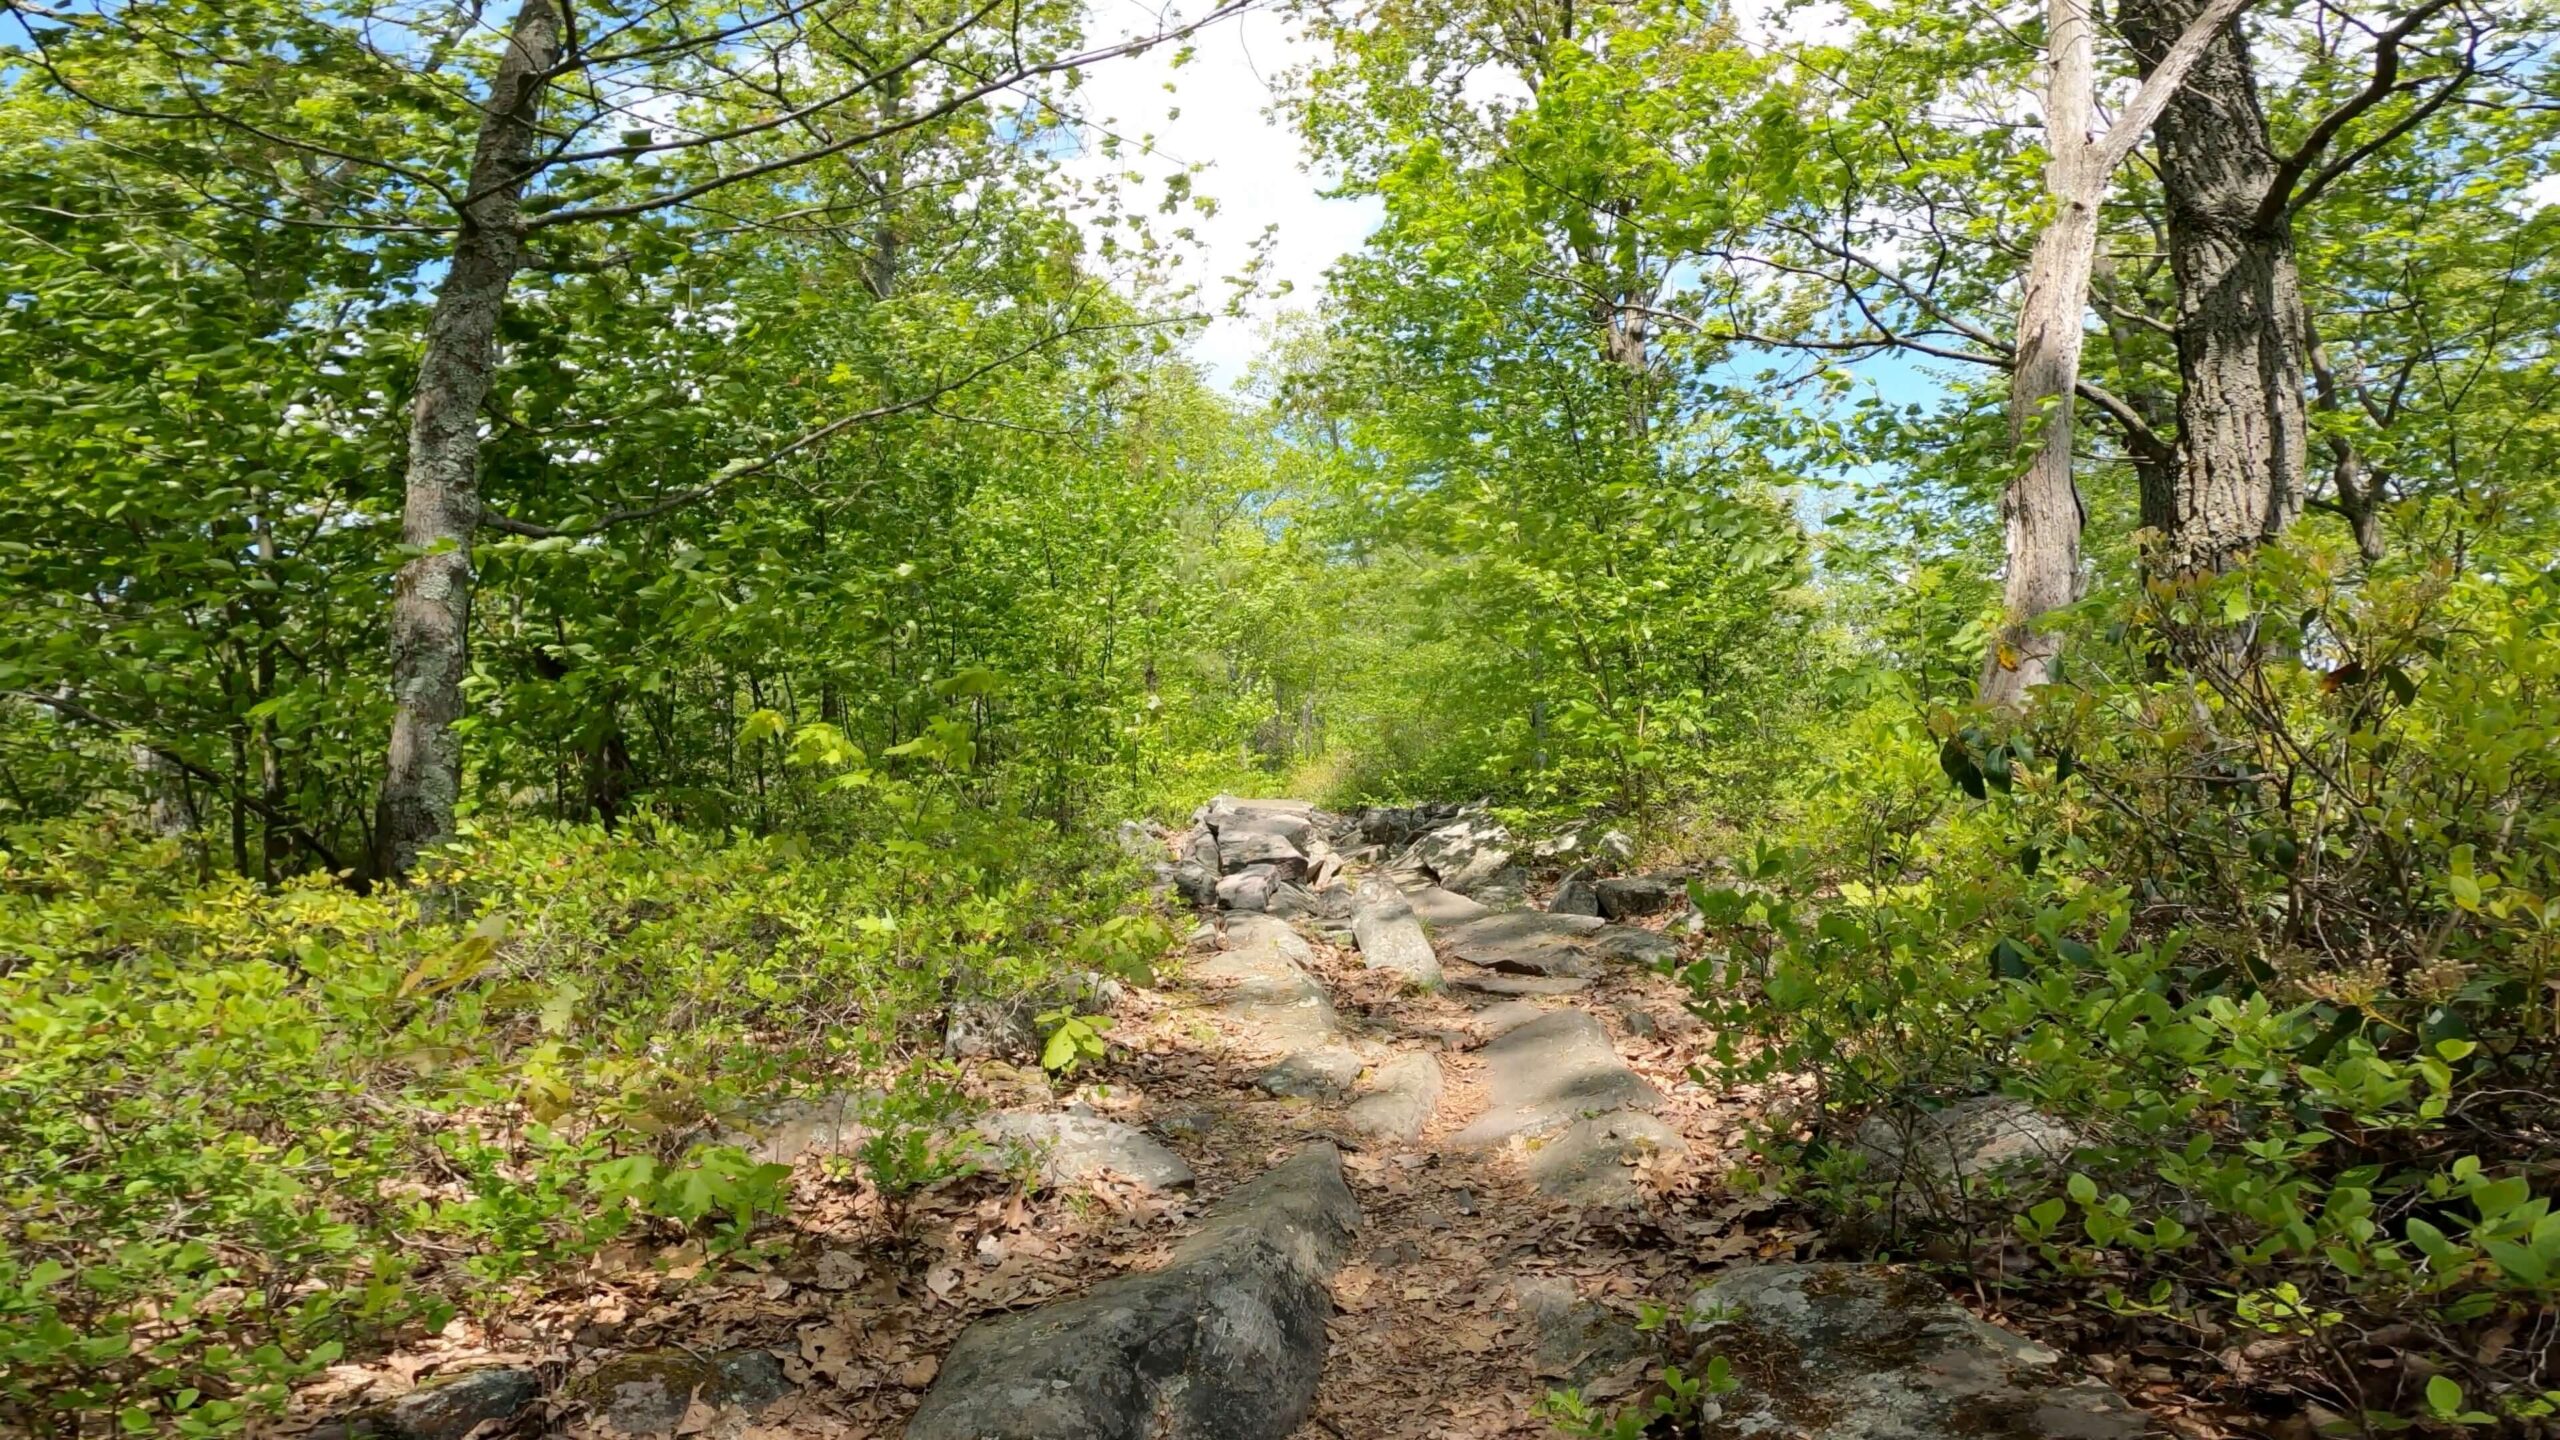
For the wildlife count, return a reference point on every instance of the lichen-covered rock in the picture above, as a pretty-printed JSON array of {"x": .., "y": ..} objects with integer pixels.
[
  {"x": 649, "y": 1392},
  {"x": 1578, "y": 1340},
  {"x": 1865, "y": 1352},
  {"x": 1225, "y": 1342},
  {"x": 1575, "y": 895}
]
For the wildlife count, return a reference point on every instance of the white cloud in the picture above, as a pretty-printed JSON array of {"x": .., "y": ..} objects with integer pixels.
[{"x": 1257, "y": 170}]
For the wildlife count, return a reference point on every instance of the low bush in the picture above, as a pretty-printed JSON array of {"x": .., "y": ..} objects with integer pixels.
[{"x": 242, "y": 1131}]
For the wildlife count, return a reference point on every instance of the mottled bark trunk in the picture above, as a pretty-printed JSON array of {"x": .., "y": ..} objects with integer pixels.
[
  {"x": 2040, "y": 510},
  {"x": 2242, "y": 436},
  {"x": 431, "y": 598}
]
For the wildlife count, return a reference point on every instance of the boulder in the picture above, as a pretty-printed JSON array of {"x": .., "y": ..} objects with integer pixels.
[
  {"x": 1625, "y": 896},
  {"x": 1937, "y": 1157},
  {"x": 650, "y": 1392},
  {"x": 1200, "y": 848},
  {"x": 1525, "y": 942},
  {"x": 448, "y": 1407},
  {"x": 1242, "y": 849},
  {"x": 1196, "y": 884},
  {"x": 1867, "y": 1352},
  {"x": 1389, "y": 937},
  {"x": 1474, "y": 847},
  {"x": 1139, "y": 839},
  {"x": 1505, "y": 889},
  {"x": 1249, "y": 891},
  {"x": 1399, "y": 1099},
  {"x": 1225, "y": 1342},
  {"x": 1575, "y": 895},
  {"x": 788, "y": 1131},
  {"x": 1399, "y": 825},
  {"x": 1590, "y": 848},
  {"x": 1544, "y": 1075},
  {"x": 1071, "y": 1149}
]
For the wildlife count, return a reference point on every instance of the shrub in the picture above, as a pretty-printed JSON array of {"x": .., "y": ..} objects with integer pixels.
[
  {"x": 2273, "y": 930},
  {"x": 233, "y": 1121}
]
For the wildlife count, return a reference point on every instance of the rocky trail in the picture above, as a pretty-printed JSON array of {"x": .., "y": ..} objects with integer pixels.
[{"x": 1388, "y": 1151}]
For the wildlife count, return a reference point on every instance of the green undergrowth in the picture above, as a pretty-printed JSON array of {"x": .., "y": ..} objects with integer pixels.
[
  {"x": 2278, "y": 936},
  {"x": 245, "y": 1132}
]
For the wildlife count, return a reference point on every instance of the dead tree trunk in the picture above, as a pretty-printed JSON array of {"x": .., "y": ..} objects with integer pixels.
[{"x": 431, "y": 598}]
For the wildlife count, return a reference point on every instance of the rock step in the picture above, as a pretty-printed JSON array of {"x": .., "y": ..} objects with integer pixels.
[
  {"x": 1389, "y": 936},
  {"x": 1546, "y": 1074},
  {"x": 1224, "y": 1342}
]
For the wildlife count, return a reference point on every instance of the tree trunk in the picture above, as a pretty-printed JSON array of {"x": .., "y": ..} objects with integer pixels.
[
  {"x": 2040, "y": 509},
  {"x": 431, "y": 599},
  {"x": 2242, "y": 436}
]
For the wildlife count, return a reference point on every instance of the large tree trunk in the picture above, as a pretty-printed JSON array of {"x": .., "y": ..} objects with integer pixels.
[
  {"x": 431, "y": 599},
  {"x": 2241, "y": 343}
]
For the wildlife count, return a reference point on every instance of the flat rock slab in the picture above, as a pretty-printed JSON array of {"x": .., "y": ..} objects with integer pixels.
[
  {"x": 1225, "y": 1342},
  {"x": 1389, "y": 936},
  {"x": 1071, "y": 1149},
  {"x": 1440, "y": 908},
  {"x": 1591, "y": 1161},
  {"x": 1399, "y": 1100},
  {"x": 1544, "y": 1075},
  {"x": 1240, "y": 848},
  {"x": 1866, "y": 1352},
  {"x": 1526, "y": 942},
  {"x": 1276, "y": 1004}
]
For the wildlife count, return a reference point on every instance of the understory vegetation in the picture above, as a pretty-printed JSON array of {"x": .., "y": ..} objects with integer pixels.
[{"x": 567, "y": 575}]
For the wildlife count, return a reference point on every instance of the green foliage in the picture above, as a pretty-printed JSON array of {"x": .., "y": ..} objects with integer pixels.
[
  {"x": 2275, "y": 936},
  {"x": 236, "y": 1127}
]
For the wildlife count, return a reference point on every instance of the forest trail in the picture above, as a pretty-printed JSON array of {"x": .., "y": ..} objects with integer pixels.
[
  {"x": 1533, "y": 1162},
  {"x": 1371, "y": 1160}
]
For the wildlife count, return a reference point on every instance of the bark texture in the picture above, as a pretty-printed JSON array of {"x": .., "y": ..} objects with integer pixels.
[
  {"x": 2040, "y": 509},
  {"x": 431, "y": 598},
  {"x": 2241, "y": 339}
]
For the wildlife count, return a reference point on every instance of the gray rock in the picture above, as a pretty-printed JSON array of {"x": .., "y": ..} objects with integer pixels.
[
  {"x": 1399, "y": 1100},
  {"x": 1071, "y": 1149},
  {"x": 1588, "y": 1161},
  {"x": 1440, "y": 908},
  {"x": 979, "y": 1029},
  {"x": 1940, "y": 1156},
  {"x": 1267, "y": 995},
  {"x": 1249, "y": 891},
  {"x": 1267, "y": 932},
  {"x": 1497, "y": 983},
  {"x": 1324, "y": 1073},
  {"x": 1546, "y": 1074},
  {"x": 1575, "y": 896},
  {"x": 1510, "y": 1015},
  {"x": 1505, "y": 889},
  {"x": 1632, "y": 944},
  {"x": 1200, "y": 848},
  {"x": 1630, "y": 895},
  {"x": 789, "y": 1131},
  {"x": 1225, "y": 1342},
  {"x": 1291, "y": 902},
  {"x": 1525, "y": 942},
  {"x": 1239, "y": 849},
  {"x": 1400, "y": 825},
  {"x": 1865, "y": 1352},
  {"x": 1578, "y": 1341},
  {"x": 451, "y": 1407},
  {"x": 649, "y": 1391},
  {"x": 1389, "y": 936},
  {"x": 1465, "y": 850},
  {"x": 1196, "y": 884},
  {"x": 1139, "y": 839}
]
